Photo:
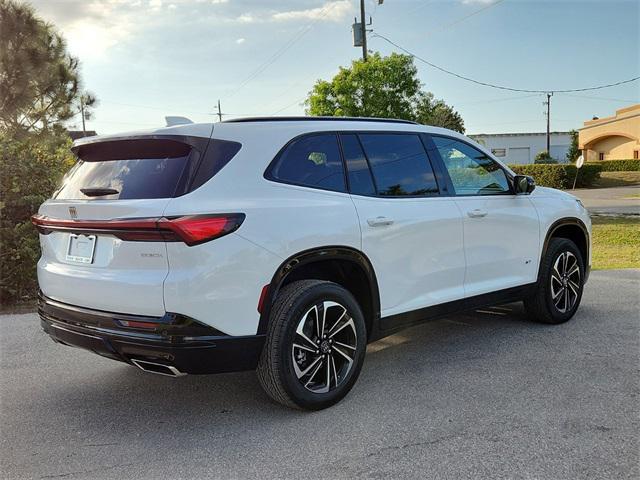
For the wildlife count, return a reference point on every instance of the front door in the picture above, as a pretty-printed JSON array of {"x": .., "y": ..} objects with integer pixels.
[{"x": 501, "y": 229}]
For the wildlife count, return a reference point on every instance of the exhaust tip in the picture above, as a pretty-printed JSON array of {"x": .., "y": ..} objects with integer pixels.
[{"x": 158, "y": 368}]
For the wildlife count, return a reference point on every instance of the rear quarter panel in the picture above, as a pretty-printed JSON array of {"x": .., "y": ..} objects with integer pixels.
[{"x": 220, "y": 282}]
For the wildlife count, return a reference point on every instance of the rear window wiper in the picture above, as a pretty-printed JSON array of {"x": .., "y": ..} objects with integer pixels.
[{"x": 99, "y": 192}]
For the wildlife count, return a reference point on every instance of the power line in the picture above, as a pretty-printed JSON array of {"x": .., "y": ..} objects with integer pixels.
[
  {"x": 622, "y": 100},
  {"x": 462, "y": 19},
  {"x": 290, "y": 105},
  {"x": 502, "y": 87},
  {"x": 282, "y": 50}
]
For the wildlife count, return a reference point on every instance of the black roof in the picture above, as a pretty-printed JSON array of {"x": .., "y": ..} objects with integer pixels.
[{"x": 316, "y": 119}]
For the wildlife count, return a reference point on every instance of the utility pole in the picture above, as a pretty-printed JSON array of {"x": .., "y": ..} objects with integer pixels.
[
  {"x": 84, "y": 129},
  {"x": 219, "y": 112},
  {"x": 364, "y": 31},
  {"x": 548, "y": 104}
]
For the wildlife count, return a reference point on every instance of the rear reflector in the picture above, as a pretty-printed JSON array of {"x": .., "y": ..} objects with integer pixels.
[
  {"x": 263, "y": 297},
  {"x": 190, "y": 229},
  {"x": 135, "y": 324}
]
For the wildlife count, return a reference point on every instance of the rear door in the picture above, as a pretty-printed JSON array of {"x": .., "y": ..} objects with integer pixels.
[
  {"x": 113, "y": 181},
  {"x": 501, "y": 229},
  {"x": 411, "y": 234}
]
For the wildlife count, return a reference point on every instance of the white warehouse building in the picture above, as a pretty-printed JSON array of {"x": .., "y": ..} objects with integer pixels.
[{"x": 522, "y": 148}]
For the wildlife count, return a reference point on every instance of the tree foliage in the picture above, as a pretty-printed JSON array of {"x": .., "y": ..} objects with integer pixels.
[
  {"x": 573, "y": 153},
  {"x": 386, "y": 87},
  {"x": 31, "y": 170},
  {"x": 39, "y": 81},
  {"x": 544, "y": 157}
]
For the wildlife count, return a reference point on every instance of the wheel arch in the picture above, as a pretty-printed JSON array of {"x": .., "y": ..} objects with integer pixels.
[
  {"x": 573, "y": 229},
  {"x": 343, "y": 265}
]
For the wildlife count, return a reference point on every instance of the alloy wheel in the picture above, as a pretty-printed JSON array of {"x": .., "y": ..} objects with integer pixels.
[
  {"x": 324, "y": 347},
  {"x": 565, "y": 282}
]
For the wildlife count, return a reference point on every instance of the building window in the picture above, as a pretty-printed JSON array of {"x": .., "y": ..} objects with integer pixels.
[
  {"x": 636, "y": 154},
  {"x": 600, "y": 155},
  {"x": 499, "y": 152}
]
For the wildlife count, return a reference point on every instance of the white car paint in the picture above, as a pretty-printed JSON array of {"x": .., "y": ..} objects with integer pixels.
[{"x": 431, "y": 253}]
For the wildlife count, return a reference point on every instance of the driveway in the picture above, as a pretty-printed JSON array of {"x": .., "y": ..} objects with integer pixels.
[
  {"x": 610, "y": 201},
  {"x": 482, "y": 395}
]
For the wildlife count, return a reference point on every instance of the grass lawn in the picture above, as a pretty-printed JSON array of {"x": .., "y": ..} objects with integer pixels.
[
  {"x": 616, "y": 242},
  {"x": 617, "y": 179}
]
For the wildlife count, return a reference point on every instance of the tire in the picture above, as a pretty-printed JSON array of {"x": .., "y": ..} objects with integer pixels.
[
  {"x": 293, "y": 334},
  {"x": 557, "y": 295}
]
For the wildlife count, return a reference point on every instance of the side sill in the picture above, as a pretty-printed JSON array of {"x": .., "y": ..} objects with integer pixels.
[{"x": 395, "y": 323}]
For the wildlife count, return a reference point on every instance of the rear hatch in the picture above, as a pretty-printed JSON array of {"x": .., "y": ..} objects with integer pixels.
[{"x": 101, "y": 245}]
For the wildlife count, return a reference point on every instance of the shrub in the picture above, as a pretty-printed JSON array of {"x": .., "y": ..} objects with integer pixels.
[
  {"x": 31, "y": 170},
  {"x": 544, "y": 158},
  {"x": 559, "y": 176},
  {"x": 618, "y": 165}
]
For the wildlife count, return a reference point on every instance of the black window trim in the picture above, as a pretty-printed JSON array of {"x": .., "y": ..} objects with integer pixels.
[
  {"x": 445, "y": 172},
  {"x": 267, "y": 175}
]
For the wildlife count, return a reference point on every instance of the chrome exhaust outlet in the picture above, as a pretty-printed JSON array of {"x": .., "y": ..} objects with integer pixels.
[{"x": 158, "y": 368}]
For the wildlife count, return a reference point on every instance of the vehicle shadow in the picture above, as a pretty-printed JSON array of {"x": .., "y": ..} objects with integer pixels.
[
  {"x": 119, "y": 393},
  {"x": 417, "y": 379}
]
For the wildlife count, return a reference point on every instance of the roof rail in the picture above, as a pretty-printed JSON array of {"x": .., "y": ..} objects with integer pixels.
[{"x": 315, "y": 119}]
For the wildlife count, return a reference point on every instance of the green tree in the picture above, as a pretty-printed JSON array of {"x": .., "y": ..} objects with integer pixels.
[
  {"x": 544, "y": 157},
  {"x": 39, "y": 81},
  {"x": 386, "y": 87},
  {"x": 573, "y": 153},
  {"x": 39, "y": 92},
  {"x": 31, "y": 170},
  {"x": 430, "y": 111}
]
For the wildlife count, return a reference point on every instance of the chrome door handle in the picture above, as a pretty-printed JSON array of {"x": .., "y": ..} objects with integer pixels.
[
  {"x": 477, "y": 213},
  {"x": 379, "y": 221}
]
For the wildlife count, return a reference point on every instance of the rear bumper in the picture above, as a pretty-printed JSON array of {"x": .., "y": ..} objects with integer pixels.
[{"x": 175, "y": 341}]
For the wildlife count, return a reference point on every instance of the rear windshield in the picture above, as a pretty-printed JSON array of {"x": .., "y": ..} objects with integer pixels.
[{"x": 138, "y": 169}]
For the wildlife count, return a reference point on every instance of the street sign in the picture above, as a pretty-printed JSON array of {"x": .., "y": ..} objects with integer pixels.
[{"x": 580, "y": 162}]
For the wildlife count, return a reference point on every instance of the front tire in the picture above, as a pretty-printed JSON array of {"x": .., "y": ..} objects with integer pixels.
[
  {"x": 315, "y": 345},
  {"x": 560, "y": 284}
]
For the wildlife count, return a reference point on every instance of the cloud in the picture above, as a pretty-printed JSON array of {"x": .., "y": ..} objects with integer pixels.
[
  {"x": 331, "y": 11},
  {"x": 92, "y": 27},
  {"x": 240, "y": 41}
]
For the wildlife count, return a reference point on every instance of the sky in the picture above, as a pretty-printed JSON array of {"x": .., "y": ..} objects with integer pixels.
[{"x": 145, "y": 59}]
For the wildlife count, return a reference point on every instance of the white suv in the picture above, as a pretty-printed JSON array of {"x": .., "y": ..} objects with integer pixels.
[{"x": 288, "y": 244}]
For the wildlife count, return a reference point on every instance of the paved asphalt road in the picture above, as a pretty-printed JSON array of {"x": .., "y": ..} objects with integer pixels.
[
  {"x": 486, "y": 395},
  {"x": 610, "y": 201}
]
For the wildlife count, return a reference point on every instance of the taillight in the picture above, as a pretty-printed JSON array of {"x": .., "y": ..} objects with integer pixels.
[
  {"x": 190, "y": 229},
  {"x": 196, "y": 229}
]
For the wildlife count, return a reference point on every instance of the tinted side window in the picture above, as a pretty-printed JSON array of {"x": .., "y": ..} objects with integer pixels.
[
  {"x": 312, "y": 161},
  {"x": 471, "y": 171},
  {"x": 218, "y": 154},
  {"x": 399, "y": 164},
  {"x": 360, "y": 181}
]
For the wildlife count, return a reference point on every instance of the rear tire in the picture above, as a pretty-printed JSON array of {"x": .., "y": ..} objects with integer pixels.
[
  {"x": 315, "y": 345},
  {"x": 560, "y": 284}
]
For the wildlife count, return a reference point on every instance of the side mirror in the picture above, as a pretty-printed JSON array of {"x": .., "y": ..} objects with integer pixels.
[{"x": 523, "y": 184}]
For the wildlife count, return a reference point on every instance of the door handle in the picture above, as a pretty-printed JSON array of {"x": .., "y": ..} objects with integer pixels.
[
  {"x": 477, "y": 213},
  {"x": 379, "y": 221}
]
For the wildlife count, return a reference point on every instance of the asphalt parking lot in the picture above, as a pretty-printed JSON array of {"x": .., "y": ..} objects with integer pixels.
[{"x": 481, "y": 395}]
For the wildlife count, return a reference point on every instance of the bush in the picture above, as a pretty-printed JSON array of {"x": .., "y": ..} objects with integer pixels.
[
  {"x": 618, "y": 165},
  {"x": 544, "y": 158},
  {"x": 559, "y": 176},
  {"x": 31, "y": 170}
]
